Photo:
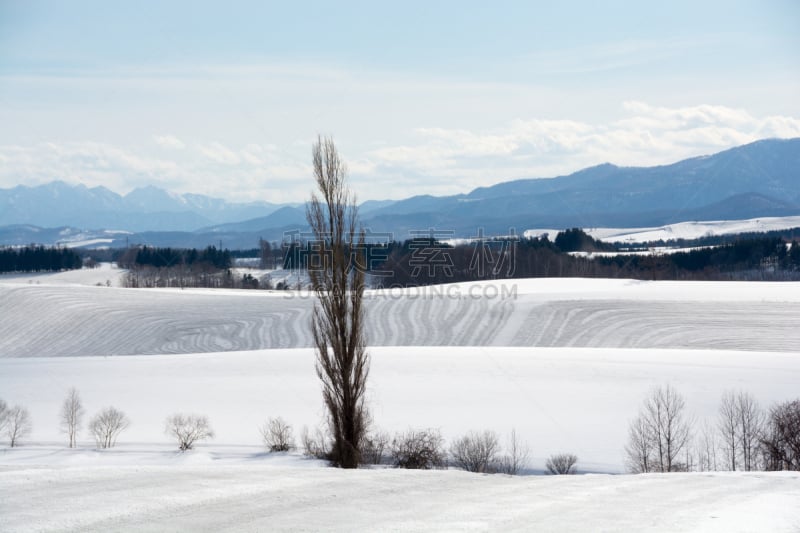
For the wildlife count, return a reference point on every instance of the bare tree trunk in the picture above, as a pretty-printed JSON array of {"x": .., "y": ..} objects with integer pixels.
[
  {"x": 659, "y": 434},
  {"x": 729, "y": 428},
  {"x": 72, "y": 415},
  {"x": 751, "y": 424},
  {"x": 338, "y": 320}
]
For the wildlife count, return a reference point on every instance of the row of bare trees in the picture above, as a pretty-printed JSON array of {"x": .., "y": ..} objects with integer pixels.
[
  {"x": 744, "y": 436},
  {"x": 105, "y": 426}
]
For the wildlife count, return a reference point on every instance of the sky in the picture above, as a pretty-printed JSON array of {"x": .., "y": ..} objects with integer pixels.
[{"x": 226, "y": 99}]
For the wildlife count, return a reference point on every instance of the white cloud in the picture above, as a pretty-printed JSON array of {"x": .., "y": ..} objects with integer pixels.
[
  {"x": 169, "y": 141},
  {"x": 647, "y": 135},
  {"x": 434, "y": 160},
  {"x": 219, "y": 153}
]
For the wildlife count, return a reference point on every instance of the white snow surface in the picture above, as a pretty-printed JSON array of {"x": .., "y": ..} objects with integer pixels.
[
  {"x": 262, "y": 497},
  {"x": 681, "y": 230},
  {"x": 63, "y": 320},
  {"x": 564, "y": 362},
  {"x": 104, "y": 274},
  {"x": 695, "y": 230},
  {"x": 558, "y": 399}
]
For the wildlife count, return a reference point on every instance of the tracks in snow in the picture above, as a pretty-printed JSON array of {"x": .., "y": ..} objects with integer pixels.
[{"x": 70, "y": 321}]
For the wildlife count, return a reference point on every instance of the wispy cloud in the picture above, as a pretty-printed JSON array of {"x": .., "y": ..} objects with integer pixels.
[
  {"x": 648, "y": 135},
  {"x": 437, "y": 160},
  {"x": 169, "y": 141},
  {"x": 219, "y": 153}
]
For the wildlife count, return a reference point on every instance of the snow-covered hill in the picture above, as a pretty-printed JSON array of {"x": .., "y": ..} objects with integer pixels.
[
  {"x": 682, "y": 230},
  {"x": 695, "y": 230},
  {"x": 564, "y": 362},
  {"x": 74, "y": 320}
]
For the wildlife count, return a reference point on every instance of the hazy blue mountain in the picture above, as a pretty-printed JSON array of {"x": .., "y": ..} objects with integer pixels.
[
  {"x": 372, "y": 205},
  {"x": 144, "y": 209},
  {"x": 718, "y": 186},
  {"x": 754, "y": 180},
  {"x": 282, "y": 217}
]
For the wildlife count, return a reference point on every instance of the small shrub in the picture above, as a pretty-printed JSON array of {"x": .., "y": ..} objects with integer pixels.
[
  {"x": 418, "y": 449},
  {"x": 374, "y": 448},
  {"x": 315, "y": 445},
  {"x": 563, "y": 463},
  {"x": 107, "y": 425},
  {"x": 476, "y": 452},
  {"x": 188, "y": 429},
  {"x": 517, "y": 457},
  {"x": 277, "y": 435}
]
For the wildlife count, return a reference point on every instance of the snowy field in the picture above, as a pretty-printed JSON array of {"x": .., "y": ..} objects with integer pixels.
[
  {"x": 695, "y": 230},
  {"x": 260, "y": 497},
  {"x": 681, "y": 230},
  {"x": 51, "y": 320},
  {"x": 576, "y": 400},
  {"x": 564, "y": 362}
]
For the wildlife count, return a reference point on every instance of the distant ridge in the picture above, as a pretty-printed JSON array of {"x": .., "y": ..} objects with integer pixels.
[{"x": 760, "y": 179}]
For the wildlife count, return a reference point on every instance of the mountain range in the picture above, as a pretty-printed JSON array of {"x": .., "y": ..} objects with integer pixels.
[{"x": 755, "y": 180}]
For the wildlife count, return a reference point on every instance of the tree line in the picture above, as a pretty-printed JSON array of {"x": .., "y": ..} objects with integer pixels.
[
  {"x": 664, "y": 437},
  {"x": 39, "y": 259},
  {"x": 181, "y": 268},
  {"x": 417, "y": 262},
  {"x": 170, "y": 257}
]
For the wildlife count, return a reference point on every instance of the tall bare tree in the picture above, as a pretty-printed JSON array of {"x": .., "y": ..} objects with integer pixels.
[
  {"x": 781, "y": 441},
  {"x": 728, "y": 424},
  {"x": 660, "y": 434},
  {"x": 342, "y": 362},
  {"x": 706, "y": 448},
  {"x": 18, "y": 425},
  {"x": 741, "y": 424},
  {"x": 665, "y": 410},
  {"x": 72, "y": 415},
  {"x": 751, "y": 425},
  {"x": 638, "y": 451}
]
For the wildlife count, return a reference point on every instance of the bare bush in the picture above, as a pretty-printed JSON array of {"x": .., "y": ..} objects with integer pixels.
[
  {"x": 188, "y": 429},
  {"x": 659, "y": 435},
  {"x": 72, "y": 415},
  {"x": 517, "y": 458},
  {"x": 277, "y": 435},
  {"x": 315, "y": 444},
  {"x": 375, "y": 447},
  {"x": 107, "y": 425},
  {"x": 420, "y": 449},
  {"x": 781, "y": 440},
  {"x": 561, "y": 464},
  {"x": 18, "y": 425},
  {"x": 476, "y": 452}
]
